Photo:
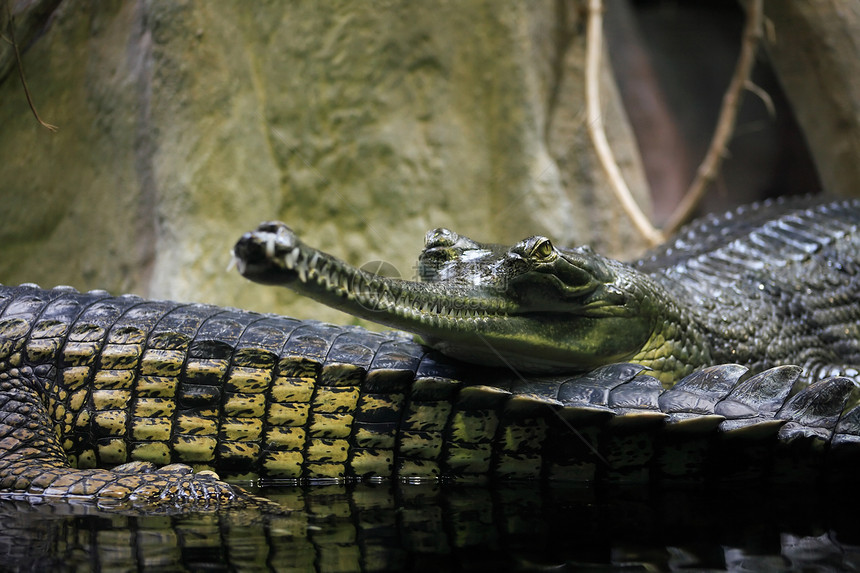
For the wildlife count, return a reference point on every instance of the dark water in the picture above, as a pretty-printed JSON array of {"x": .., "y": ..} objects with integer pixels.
[{"x": 518, "y": 527}]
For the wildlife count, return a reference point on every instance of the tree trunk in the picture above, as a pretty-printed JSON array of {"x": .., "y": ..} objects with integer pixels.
[{"x": 815, "y": 49}]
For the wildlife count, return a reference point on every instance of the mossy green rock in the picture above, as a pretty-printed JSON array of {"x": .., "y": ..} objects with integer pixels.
[{"x": 362, "y": 125}]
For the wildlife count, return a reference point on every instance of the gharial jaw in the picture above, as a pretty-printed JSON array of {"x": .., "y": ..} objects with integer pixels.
[
  {"x": 273, "y": 254},
  {"x": 531, "y": 306}
]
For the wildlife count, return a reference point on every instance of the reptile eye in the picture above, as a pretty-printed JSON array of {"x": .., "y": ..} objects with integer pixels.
[{"x": 542, "y": 249}]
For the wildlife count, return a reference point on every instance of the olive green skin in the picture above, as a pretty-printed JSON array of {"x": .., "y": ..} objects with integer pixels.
[
  {"x": 115, "y": 401},
  {"x": 532, "y": 307},
  {"x": 771, "y": 284}
]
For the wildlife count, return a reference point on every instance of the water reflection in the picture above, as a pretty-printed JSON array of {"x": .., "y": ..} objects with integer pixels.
[{"x": 515, "y": 527}]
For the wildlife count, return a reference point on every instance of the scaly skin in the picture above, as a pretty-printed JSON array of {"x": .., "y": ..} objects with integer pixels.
[
  {"x": 772, "y": 284},
  {"x": 96, "y": 391}
]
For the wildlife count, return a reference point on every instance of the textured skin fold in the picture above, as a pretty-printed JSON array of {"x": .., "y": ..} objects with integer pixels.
[{"x": 152, "y": 390}]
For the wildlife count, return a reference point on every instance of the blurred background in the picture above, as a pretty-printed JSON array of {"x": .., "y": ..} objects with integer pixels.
[{"x": 362, "y": 125}]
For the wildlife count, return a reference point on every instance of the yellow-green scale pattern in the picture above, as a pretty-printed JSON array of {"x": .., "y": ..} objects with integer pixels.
[
  {"x": 89, "y": 382},
  {"x": 251, "y": 395}
]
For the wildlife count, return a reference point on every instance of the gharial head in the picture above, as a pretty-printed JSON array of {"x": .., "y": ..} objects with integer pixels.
[{"x": 532, "y": 306}]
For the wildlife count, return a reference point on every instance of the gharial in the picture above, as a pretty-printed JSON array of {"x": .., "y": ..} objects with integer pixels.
[
  {"x": 115, "y": 400},
  {"x": 770, "y": 284}
]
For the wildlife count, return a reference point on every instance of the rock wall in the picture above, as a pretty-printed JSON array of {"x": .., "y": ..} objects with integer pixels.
[{"x": 362, "y": 125}]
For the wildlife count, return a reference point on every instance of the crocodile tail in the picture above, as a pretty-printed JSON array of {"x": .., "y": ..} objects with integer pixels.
[{"x": 34, "y": 467}]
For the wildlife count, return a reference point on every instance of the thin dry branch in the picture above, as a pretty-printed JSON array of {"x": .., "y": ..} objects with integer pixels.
[
  {"x": 594, "y": 47},
  {"x": 20, "y": 66},
  {"x": 710, "y": 166},
  {"x": 763, "y": 96}
]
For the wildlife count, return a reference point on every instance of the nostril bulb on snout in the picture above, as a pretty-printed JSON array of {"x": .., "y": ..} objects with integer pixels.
[
  {"x": 440, "y": 237},
  {"x": 273, "y": 227}
]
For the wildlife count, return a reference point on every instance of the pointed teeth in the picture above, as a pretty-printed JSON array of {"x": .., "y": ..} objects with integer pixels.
[
  {"x": 234, "y": 261},
  {"x": 291, "y": 258},
  {"x": 436, "y": 308},
  {"x": 295, "y": 262},
  {"x": 333, "y": 280}
]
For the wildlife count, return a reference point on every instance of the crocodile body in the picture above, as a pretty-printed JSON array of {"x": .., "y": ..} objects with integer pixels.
[
  {"x": 115, "y": 400},
  {"x": 769, "y": 284},
  {"x": 153, "y": 389}
]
